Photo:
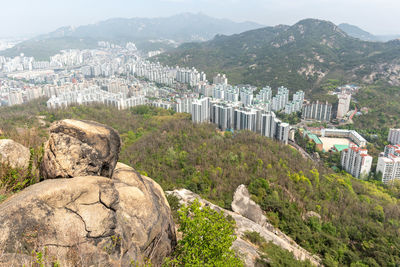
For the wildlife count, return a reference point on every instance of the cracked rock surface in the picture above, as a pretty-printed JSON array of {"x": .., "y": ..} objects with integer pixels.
[
  {"x": 14, "y": 154},
  {"x": 89, "y": 210},
  {"x": 80, "y": 148},
  {"x": 90, "y": 220}
]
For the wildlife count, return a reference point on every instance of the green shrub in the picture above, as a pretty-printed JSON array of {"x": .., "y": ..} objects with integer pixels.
[
  {"x": 254, "y": 238},
  {"x": 207, "y": 238}
]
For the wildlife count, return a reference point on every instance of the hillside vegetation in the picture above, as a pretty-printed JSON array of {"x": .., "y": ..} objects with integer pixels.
[
  {"x": 359, "y": 220},
  {"x": 301, "y": 56}
]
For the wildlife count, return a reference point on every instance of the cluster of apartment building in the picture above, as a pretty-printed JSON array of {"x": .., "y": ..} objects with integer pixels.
[
  {"x": 356, "y": 161},
  {"x": 389, "y": 161},
  {"x": 16, "y": 93},
  {"x": 220, "y": 79},
  {"x": 236, "y": 116},
  {"x": 190, "y": 76},
  {"x": 297, "y": 103},
  {"x": 321, "y": 111},
  {"x": 354, "y": 157},
  {"x": 264, "y": 97},
  {"x": 158, "y": 73},
  {"x": 65, "y": 58},
  {"x": 155, "y": 72},
  {"x": 111, "y": 92},
  {"x": 93, "y": 95}
]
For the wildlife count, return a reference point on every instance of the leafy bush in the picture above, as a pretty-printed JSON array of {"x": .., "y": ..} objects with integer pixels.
[
  {"x": 207, "y": 238},
  {"x": 254, "y": 238}
]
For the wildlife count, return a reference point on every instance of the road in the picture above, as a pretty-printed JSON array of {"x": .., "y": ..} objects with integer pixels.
[{"x": 302, "y": 151}]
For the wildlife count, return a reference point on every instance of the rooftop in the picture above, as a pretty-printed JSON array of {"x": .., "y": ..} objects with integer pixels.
[{"x": 339, "y": 148}]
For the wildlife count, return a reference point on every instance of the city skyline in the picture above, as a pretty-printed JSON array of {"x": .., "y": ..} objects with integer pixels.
[{"x": 25, "y": 18}]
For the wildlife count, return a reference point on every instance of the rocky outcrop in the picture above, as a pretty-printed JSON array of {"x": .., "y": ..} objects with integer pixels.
[
  {"x": 89, "y": 221},
  {"x": 310, "y": 214},
  {"x": 142, "y": 202},
  {"x": 14, "y": 154},
  {"x": 120, "y": 220},
  {"x": 244, "y": 205},
  {"x": 80, "y": 148},
  {"x": 244, "y": 224}
]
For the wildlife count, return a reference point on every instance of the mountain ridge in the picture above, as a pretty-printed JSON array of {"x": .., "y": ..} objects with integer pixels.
[
  {"x": 299, "y": 56},
  {"x": 174, "y": 29},
  {"x": 361, "y": 34}
]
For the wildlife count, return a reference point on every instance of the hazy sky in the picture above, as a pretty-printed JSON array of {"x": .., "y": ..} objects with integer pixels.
[{"x": 32, "y": 17}]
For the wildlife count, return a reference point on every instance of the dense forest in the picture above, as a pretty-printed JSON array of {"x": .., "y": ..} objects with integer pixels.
[{"x": 359, "y": 220}]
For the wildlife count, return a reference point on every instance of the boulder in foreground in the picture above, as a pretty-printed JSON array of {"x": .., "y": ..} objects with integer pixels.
[
  {"x": 80, "y": 148},
  {"x": 87, "y": 221}
]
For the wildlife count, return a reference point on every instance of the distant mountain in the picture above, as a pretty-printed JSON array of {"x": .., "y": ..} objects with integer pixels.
[
  {"x": 148, "y": 33},
  {"x": 359, "y": 33},
  {"x": 299, "y": 56}
]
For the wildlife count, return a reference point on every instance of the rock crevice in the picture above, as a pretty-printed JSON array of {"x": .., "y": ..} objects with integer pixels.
[{"x": 89, "y": 210}]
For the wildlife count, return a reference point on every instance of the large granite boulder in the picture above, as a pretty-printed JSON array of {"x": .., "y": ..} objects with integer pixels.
[
  {"x": 88, "y": 221},
  {"x": 14, "y": 154},
  {"x": 80, "y": 148},
  {"x": 244, "y": 205}
]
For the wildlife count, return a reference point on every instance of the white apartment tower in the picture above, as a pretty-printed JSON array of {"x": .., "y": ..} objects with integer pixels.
[
  {"x": 356, "y": 161},
  {"x": 268, "y": 124},
  {"x": 220, "y": 79},
  {"x": 317, "y": 111},
  {"x": 245, "y": 119},
  {"x": 265, "y": 94},
  {"x": 389, "y": 167},
  {"x": 201, "y": 110},
  {"x": 343, "y": 105},
  {"x": 394, "y": 136}
]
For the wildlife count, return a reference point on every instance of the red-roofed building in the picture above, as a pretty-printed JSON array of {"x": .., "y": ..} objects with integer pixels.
[{"x": 356, "y": 161}]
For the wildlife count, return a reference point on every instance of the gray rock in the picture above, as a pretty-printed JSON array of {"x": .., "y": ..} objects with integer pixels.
[
  {"x": 80, "y": 148},
  {"x": 243, "y": 225},
  {"x": 88, "y": 221},
  {"x": 245, "y": 206},
  {"x": 310, "y": 214},
  {"x": 246, "y": 251},
  {"x": 14, "y": 154}
]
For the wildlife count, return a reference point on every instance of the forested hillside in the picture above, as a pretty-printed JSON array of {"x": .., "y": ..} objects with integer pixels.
[
  {"x": 301, "y": 56},
  {"x": 359, "y": 220}
]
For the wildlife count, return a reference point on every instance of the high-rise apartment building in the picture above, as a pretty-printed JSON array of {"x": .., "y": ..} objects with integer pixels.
[
  {"x": 343, "y": 105},
  {"x": 220, "y": 79},
  {"x": 356, "y": 161},
  {"x": 246, "y": 96},
  {"x": 389, "y": 164},
  {"x": 317, "y": 111},
  {"x": 245, "y": 119},
  {"x": 394, "y": 136},
  {"x": 201, "y": 110},
  {"x": 265, "y": 94},
  {"x": 268, "y": 124},
  {"x": 282, "y": 131},
  {"x": 232, "y": 94},
  {"x": 281, "y": 99},
  {"x": 222, "y": 114},
  {"x": 296, "y": 104}
]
